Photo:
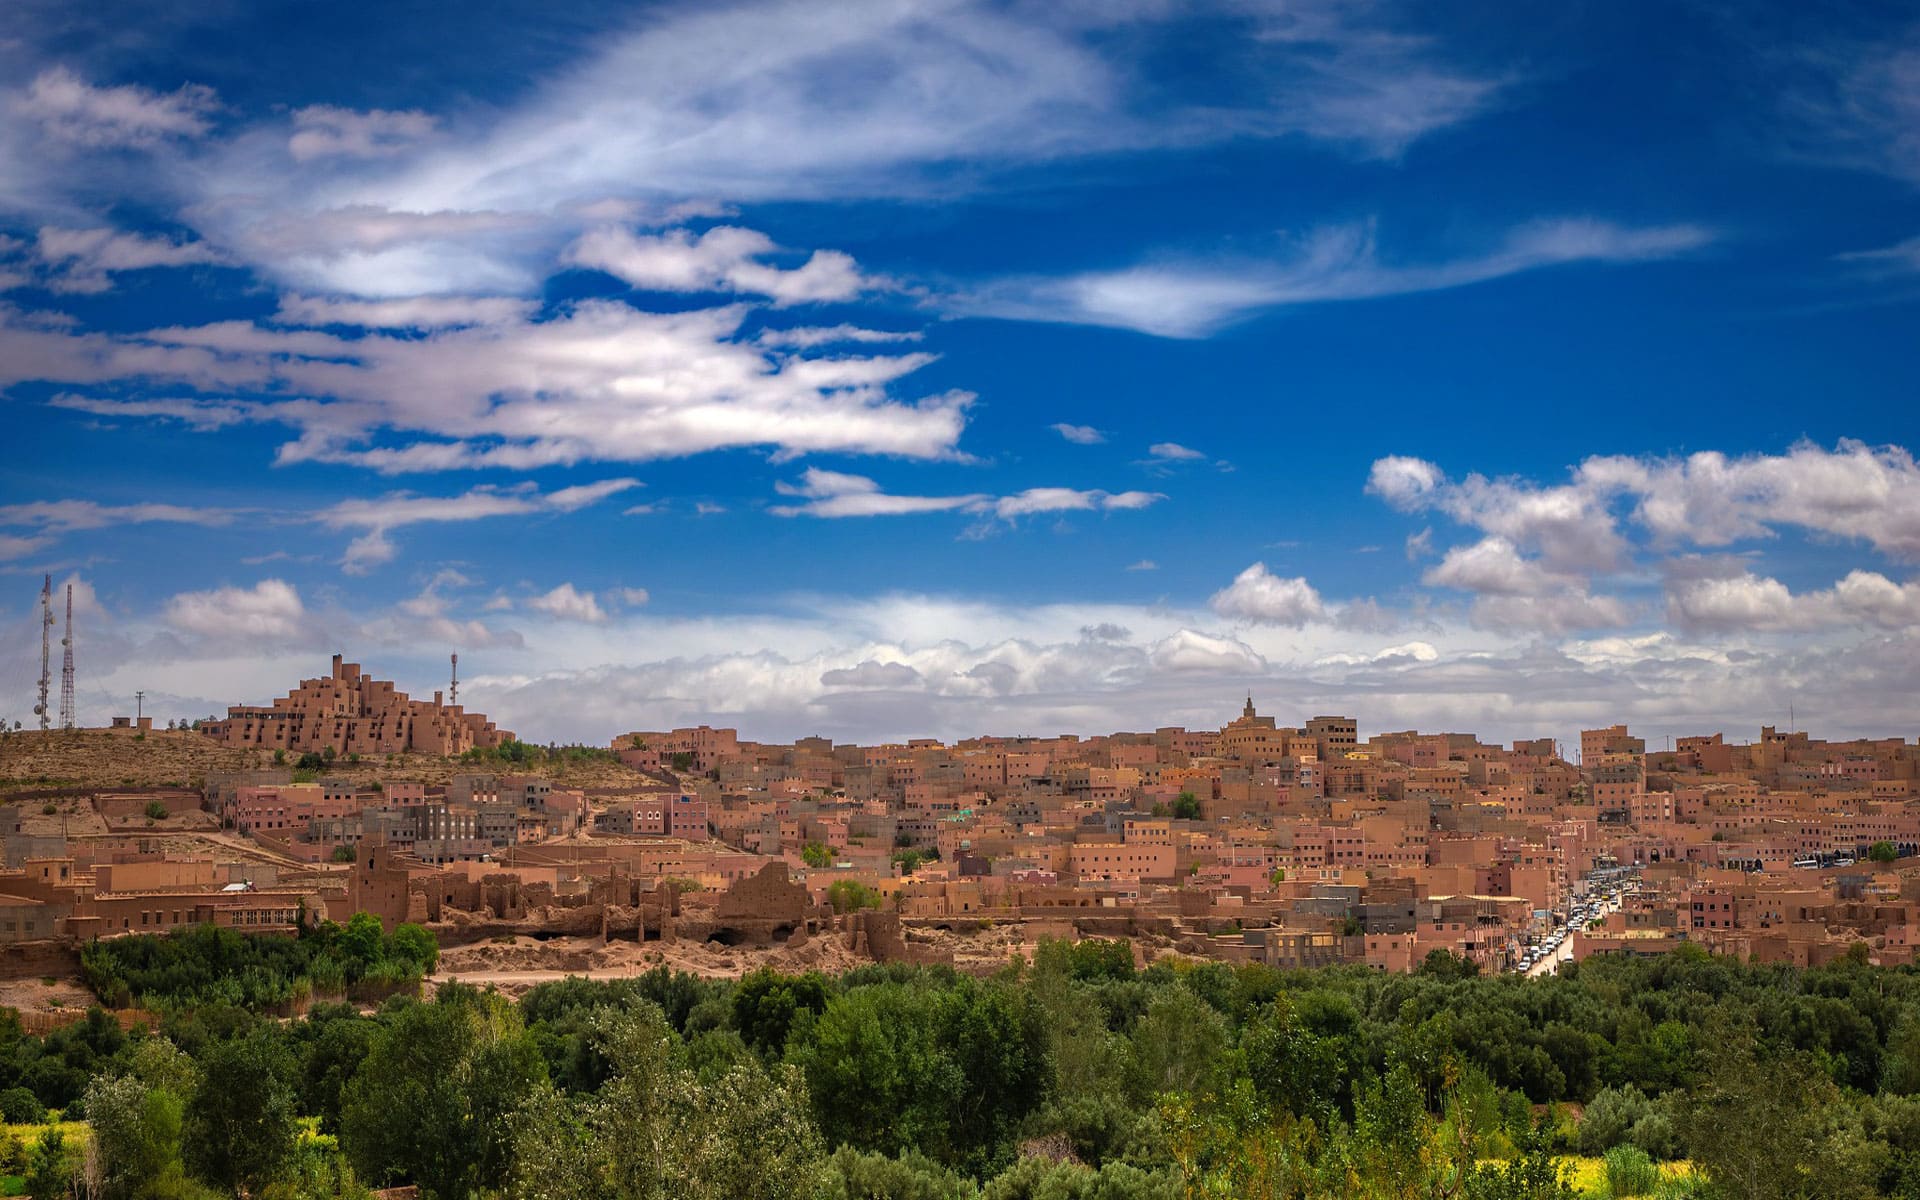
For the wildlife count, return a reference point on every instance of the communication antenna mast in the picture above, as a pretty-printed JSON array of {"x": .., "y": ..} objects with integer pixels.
[
  {"x": 66, "y": 668},
  {"x": 46, "y": 660},
  {"x": 139, "y": 706},
  {"x": 453, "y": 685}
]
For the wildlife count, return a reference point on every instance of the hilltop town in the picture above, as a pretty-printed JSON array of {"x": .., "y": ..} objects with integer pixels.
[{"x": 1258, "y": 841}]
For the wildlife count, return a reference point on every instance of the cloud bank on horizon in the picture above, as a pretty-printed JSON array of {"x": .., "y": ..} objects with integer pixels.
[{"x": 955, "y": 367}]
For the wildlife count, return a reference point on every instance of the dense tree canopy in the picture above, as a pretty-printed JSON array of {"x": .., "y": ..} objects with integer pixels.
[{"x": 1080, "y": 1075}]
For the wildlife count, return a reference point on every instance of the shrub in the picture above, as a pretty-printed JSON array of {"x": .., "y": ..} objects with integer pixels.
[
  {"x": 1630, "y": 1172},
  {"x": 157, "y": 811},
  {"x": 21, "y": 1107}
]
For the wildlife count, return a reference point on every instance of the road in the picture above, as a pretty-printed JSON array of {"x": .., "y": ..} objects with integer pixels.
[{"x": 1551, "y": 964}]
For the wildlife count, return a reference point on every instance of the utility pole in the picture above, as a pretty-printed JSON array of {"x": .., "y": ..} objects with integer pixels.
[
  {"x": 66, "y": 669},
  {"x": 139, "y": 700},
  {"x": 46, "y": 661}
]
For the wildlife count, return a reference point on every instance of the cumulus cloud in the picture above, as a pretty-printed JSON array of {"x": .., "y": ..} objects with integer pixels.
[
  {"x": 268, "y": 611},
  {"x": 1855, "y": 491},
  {"x": 1256, "y": 594},
  {"x": 73, "y": 110},
  {"x": 569, "y": 604},
  {"x": 1191, "y": 652},
  {"x": 723, "y": 259},
  {"x": 1752, "y": 603}
]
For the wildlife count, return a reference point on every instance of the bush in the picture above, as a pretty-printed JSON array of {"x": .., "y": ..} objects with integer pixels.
[
  {"x": 1630, "y": 1172},
  {"x": 21, "y": 1107},
  {"x": 157, "y": 811}
]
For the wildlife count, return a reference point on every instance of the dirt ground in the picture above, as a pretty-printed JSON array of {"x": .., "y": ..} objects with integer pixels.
[
  {"x": 515, "y": 966},
  {"x": 95, "y": 758},
  {"x": 34, "y": 995}
]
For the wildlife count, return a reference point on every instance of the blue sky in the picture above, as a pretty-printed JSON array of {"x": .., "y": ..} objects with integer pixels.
[{"x": 941, "y": 368}]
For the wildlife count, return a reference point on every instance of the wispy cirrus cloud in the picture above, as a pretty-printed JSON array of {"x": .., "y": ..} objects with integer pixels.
[
  {"x": 381, "y": 515},
  {"x": 1192, "y": 298}
]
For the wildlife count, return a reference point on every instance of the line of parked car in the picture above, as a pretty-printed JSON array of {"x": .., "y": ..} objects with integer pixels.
[{"x": 1604, "y": 887}]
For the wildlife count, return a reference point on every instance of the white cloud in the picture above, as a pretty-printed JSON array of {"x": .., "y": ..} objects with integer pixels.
[
  {"x": 322, "y": 130},
  {"x": 1145, "y": 564},
  {"x": 201, "y": 416},
  {"x": 1750, "y": 603},
  {"x": 1173, "y": 452},
  {"x": 1513, "y": 592},
  {"x": 1494, "y": 567},
  {"x": 1059, "y": 499},
  {"x": 1866, "y": 109},
  {"x": 378, "y": 516},
  {"x": 270, "y": 610},
  {"x": 629, "y": 597},
  {"x": 412, "y": 312},
  {"x": 835, "y": 494},
  {"x": 72, "y": 110},
  {"x": 1710, "y": 499},
  {"x": 599, "y": 382},
  {"x": 1570, "y": 525},
  {"x": 1193, "y": 298},
  {"x": 81, "y": 260},
  {"x": 1191, "y": 652},
  {"x": 723, "y": 259},
  {"x": 871, "y": 675},
  {"x": 67, "y": 516},
  {"x": 1258, "y": 595},
  {"x": 812, "y": 337},
  {"x": 1403, "y": 482},
  {"x": 1079, "y": 435},
  {"x": 569, "y": 604}
]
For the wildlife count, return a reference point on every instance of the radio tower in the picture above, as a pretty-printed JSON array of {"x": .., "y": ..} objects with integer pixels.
[
  {"x": 46, "y": 660},
  {"x": 66, "y": 668},
  {"x": 453, "y": 685}
]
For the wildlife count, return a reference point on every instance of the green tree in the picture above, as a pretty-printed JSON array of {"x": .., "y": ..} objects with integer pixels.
[
  {"x": 1186, "y": 807},
  {"x": 1772, "y": 1125},
  {"x": 655, "y": 1131},
  {"x": 766, "y": 1003},
  {"x": 847, "y": 895},
  {"x": 816, "y": 854},
  {"x": 134, "y": 1153},
  {"x": 241, "y": 1122},
  {"x": 51, "y": 1166},
  {"x": 1883, "y": 852},
  {"x": 431, "y": 1103},
  {"x": 361, "y": 940}
]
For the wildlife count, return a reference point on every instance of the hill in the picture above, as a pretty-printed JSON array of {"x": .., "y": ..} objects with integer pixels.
[{"x": 97, "y": 758}]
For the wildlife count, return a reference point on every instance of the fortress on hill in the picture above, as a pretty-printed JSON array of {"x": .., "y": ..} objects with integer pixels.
[{"x": 356, "y": 714}]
